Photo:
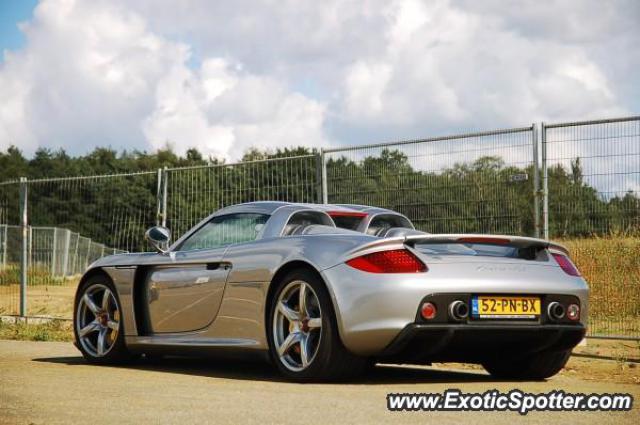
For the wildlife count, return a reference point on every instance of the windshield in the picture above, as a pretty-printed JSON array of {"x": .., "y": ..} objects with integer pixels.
[{"x": 225, "y": 230}]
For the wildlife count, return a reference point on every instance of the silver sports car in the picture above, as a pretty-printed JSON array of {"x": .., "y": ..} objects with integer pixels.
[{"x": 325, "y": 290}]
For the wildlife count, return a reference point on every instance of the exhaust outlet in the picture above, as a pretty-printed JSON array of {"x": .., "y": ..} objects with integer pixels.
[
  {"x": 555, "y": 311},
  {"x": 458, "y": 310}
]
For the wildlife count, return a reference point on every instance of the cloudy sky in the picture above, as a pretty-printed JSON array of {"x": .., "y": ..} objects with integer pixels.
[{"x": 225, "y": 76}]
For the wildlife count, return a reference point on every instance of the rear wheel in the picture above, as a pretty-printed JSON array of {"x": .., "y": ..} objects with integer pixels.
[
  {"x": 536, "y": 366},
  {"x": 303, "y": 337},
  {"x": 97, "y": 322}
]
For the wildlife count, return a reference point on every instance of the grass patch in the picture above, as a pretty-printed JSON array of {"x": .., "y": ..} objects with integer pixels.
[
  {"x": 54, "y": 330},
  {"x": 611, "y": 266},
  {"x": 36, "y": 275}
]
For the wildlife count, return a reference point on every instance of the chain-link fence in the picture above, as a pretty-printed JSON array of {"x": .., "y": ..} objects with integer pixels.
[
  {"x": 114, "y": 210},
  {"x": 591, "y": 177},
  {"x": 471, "y": 183},
  {"x": 577, "y": 182},
  {"x": 10, "y": 247},
  {"x": 195, "y": 192},
  {"x": 52, "y": 229},
  {"x": 56, "y": 258},
  {"x": 592, "y": 174}
]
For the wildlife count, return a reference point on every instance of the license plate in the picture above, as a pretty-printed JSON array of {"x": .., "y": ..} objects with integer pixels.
[{"x": 505, "y": 307}]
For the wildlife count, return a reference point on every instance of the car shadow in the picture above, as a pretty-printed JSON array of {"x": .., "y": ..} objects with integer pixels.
[{"x": 260, "y": 371}]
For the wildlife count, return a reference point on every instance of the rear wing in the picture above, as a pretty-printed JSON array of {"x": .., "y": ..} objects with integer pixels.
[
  {"x": 515, "y": 241},
  {"x": 412, "y": 239}
]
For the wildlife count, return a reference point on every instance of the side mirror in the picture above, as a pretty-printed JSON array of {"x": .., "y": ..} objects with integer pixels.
[{"x": 159, "y": 238}]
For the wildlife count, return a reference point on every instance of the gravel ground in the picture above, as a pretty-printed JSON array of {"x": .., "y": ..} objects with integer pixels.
[{"x": 49, "y": 383}]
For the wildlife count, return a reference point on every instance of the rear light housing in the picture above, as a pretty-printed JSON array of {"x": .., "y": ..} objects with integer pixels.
[
  {"x": 394, "y": 261},
  {"x": 484, "y": 239},
  {"x": 428, "y": 311},
  {"x": 573, "y": 312},
  {"x": 356, "y": 214},
  {"x": 565, "y": 264}
]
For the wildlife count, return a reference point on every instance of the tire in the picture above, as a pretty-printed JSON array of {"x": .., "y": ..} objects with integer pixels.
[
  {"x": 533, "y": 367},
  {"x": 99, "y": 320},
  {"x": 327, "y": 358}
]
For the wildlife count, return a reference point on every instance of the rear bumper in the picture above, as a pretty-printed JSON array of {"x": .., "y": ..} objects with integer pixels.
[
  {"x": 473, "y": 343},
  {"x": 374, "y": 309}
]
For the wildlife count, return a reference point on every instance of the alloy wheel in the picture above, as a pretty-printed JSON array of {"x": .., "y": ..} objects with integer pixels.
[
  {"x": 297, "y": 325},
  {"x": 97, "y": 320}
]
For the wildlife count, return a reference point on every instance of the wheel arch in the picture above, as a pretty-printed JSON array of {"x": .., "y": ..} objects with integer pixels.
[
  {"x": 97, "y": 271},
  {"x": 117, "y": 351},
  {"x": 282, "y": 272}
]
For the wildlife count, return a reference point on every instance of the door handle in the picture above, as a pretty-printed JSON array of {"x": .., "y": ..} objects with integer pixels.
[{"x": 218, "y": 266}]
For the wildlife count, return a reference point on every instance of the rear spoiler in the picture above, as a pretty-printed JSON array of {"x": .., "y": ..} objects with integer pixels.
[
  {"x": 516, "y": 241},
  {"x": 412, "y": 239}
]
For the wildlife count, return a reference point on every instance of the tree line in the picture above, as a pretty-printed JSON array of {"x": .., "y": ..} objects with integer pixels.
[{"x": 485, "y": 195}]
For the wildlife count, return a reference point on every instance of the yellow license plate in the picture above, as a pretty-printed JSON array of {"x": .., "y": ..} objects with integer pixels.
[{"x": 505, "y": 307}]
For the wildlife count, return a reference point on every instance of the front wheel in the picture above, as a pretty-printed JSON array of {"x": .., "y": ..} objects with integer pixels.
[
  {"x": 535, "y": 367},
  {"x": 303, "y": 336},
  {"x": 97, "y": 322}
]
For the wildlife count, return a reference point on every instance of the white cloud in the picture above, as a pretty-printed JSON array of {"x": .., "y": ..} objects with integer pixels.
[
  {"x": 449, "y": 68},
  {"x": 224, "y": 76},
  {"x": 222, "y": 111},
  {"x": 364, "y": 89},
  {"x": 94, "y": 74},
  {"x": 88, "y": 71}
]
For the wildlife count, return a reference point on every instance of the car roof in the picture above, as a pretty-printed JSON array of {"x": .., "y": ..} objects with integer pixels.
[
  {"x": 272, "y": 207},
  {"x": 368, "y": 209}
]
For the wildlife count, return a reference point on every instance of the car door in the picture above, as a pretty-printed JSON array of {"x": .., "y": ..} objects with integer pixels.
[{"x": 184, "y": 293}]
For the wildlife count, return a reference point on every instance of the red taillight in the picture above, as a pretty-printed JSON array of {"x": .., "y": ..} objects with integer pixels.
[
  {"x": 356, "y": 214},
  {"x": 565, "y": 263},
  {"x": 396, "y": 261},
  {"x": 428, "y": 311},
  {"x": 484, "y": 239}
]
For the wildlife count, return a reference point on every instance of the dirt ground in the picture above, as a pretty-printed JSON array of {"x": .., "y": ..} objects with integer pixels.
[
  {"x": 596, "y": 360},
  {"x": 617, "y": 349},
  {"x": 42, "y": 300},
  {"x": 584, "y": 368},
  {"x": 49, "y": 383}
]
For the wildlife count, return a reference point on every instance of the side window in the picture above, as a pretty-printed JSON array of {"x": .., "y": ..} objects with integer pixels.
[
  {"x": 302, "y": 219},
  {"x": 381, "y": 223},
  {"x": 225, "y": 230}
]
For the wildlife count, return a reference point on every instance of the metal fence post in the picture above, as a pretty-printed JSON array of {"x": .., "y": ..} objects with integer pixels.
[
  {"x": 65, "y": 258},
  {"x": 319, "y": 181},
  {"x": 325, "y": 190},
  {"x": 30, "y": 255},
  {"x": 159, "y": 198},
  {"x": 536, "y": 181},
  {"x": 75, "y": 256},
  {"x": 24, "y": 223},
  {"x": 545, "y": 183},
  {"x": 165, "y": 178},
  {"x": 54, "y": 245},
  {"x": 86, "y": 257},
  {"x": 4, "y": 245}
]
